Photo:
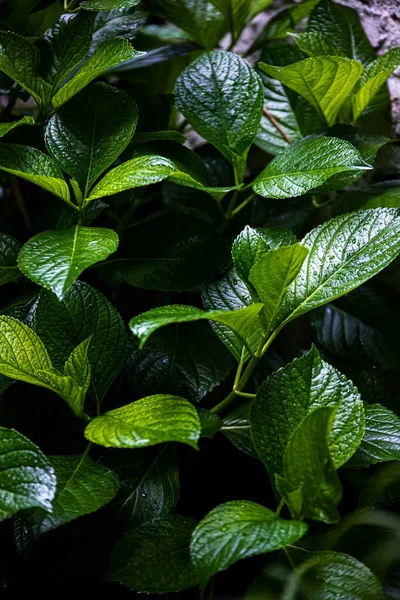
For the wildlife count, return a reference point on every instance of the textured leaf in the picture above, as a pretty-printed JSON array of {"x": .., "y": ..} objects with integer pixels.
[
  {"x": 185, "y": 361},
  {"x": 26, "y": 479},
  {"x": 9, "y": 248},
  {"x": 332, "y": 576},
  {"x": 124, "y": 23},
  {"x": 154, "y": 557},
  {"x": 237, "y": 530},
  {"x": 271, "y": 276},
  {"x": 200, "y": 18},
  {"x": 64, "y": 47},
  {"x": 286, "y": 399},
  {"x": 239, "y": 321},
  {"x": 106, "y": 56},
  {"x": 236, "y": 427},
  {"x": 54, "y": 259},
  {"x": 146, "y": 422},
  {"x": 6, "y": 127},
  {"x": 19, "y": 59},
  {"x": 235, "y": 12},
  {"x": 210, "y": 422},
  {"x": 222, "y": 98},
  {"x": 108, "y": 4},
  {"x": 82, "y": 488},
  {"x": 309, "y": 485},
  {"x": 343, "y": 253},
  {"x": 324, "y": 81},
  {"x": 171, "y": 252},
  {"x": 374, "y": 76},
  {"x": 88, "y": 134},
  {"x": 83, "y": 312},
  {"x": 149, "y": 486},
  {"x": 381, "y": 441},
  {"x": 230, "y": 294},
  {"x": 34, "y": 166},
  {"x": 306, "y": 165}
]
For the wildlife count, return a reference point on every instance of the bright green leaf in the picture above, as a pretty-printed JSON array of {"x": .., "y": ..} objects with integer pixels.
[
  {"x": 9, "y": 248},
  {"x": 82, "y": 488},
  {"x": 306, "y": 165},
  {"x": 27, "y": 479},
  {"x": 237, "y": 530},
  {"x": 108, "y": 4},
  {"x": 381, "y": 441},
  {"x": 6, "y": 127},
  {"x": 146, "y": 422},
  {"x": 70, "y": 252},
  {"x": 154, "y": 557}
]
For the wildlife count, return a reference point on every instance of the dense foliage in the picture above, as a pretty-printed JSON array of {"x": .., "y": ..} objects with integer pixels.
[{"x": 198, "y": 257}]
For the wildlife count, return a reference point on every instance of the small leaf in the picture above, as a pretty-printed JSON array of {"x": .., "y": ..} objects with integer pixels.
[
  {"x": 186, "y": 361},
  {"x": 236, "y": 427},
  {"x": 108, "y": 4},
  {"x": 271, "y": 276},
  {"x": 19, "y": 59},
  {"x": 123, "y": 23},
  {"x": 306, "y": 165},
  {"x": 200, "y": 18},
  {"x": 6, "y": 127},
  {"x": 34, "y": 166},
  {"x": 154, "y": 557},
  {"x": 222, "y": 98},
  {"x": 82, "y": 313},
  {"x": 106, "y": 56},
  {"x": 381, "y": 440},
  {"x": 240, "y": 321},
  {"x": 70, "y": 252},
  {"x": 146, "y": 422},
  {"x": 27, "y": 479},
  {"x": 324, "y": 81},
  {"x": 210, "y": 423},
  {"x": 82, "y": 488},
  {"x": 343, "y": 253},
  {"x": 329, "y": 575},
  {"x": 88, "y": 134},
  {"x": 9, "y": 248},
  {"x": 309, "y": 484},
  {"x": 290, "y": 395},
  {"x": 237, "y": 530}
]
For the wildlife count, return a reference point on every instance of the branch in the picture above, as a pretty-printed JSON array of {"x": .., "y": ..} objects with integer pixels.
[{"x": 276, "y": 125}]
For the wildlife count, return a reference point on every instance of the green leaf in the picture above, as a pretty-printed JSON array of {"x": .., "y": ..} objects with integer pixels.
[
  {"x": 88, "y": 134},
  {"x": 237, "y": 530},
  {"x": 149, "y": 486},
  {"x": 154, "y": 557},
  {"x": 146, "y": 422},
  {"x": 286, "y": 399},
  {"x": 186, "y": 361},
  {"x": 324, "y": 81},
  {"x": 71, "y": 251},
  {"x": 374, "y": 76},
  {"x": 82, "y": 313},
  {"x": 200, "y": 18},
  {"x": 124, "y": 23},
  {"x": 236, "y": 13},
  {"x": 222, "y": 98},
  {"x": 251, "y": 244},
  {"x": 9, "y": 248},
  {"x": 240, "y": 321},
  {"x": 64, "y": 47},
  {"x": 107, "y": 55},
  {"x": 315, "y": 43},
  {"x": 236, "y": 427},
  {"x": 19, "y": 59},
  {"x": 306, "y": 165},
  {"x": 210, "y": 423},
  {"x": 82, "y": 488},
  {"x": 34, "y": 166},
  {"x": 230, "y": 294},
  {"x": 77, "y": 365},
  {"x": 170, "y": 252},
  {"x": 271, "y": 276},
  {"x": 6, "y": 127},
  {"x": 330, "y": 575},
  {"x": 39, "y": 21},
  {"x": 309, "y": 484},
  {"x": 381, "y": 441},
  {"x": 27, "y": 479},
  {"x": 343, "y": 253},
  {"x": 108, "y": 4}
]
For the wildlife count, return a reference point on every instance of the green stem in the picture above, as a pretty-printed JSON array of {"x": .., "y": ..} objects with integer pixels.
[
  {"x": 289, "y": 559},
  {"x": 280, "y": 506},
  {"x": 69, "y": 6},
  {"x": 242, "y": 205}
]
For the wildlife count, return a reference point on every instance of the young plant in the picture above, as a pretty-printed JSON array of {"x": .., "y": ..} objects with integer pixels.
[{"x": 198, "y": 256}]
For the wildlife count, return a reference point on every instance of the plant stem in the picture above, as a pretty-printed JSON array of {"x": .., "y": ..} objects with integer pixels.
[
  {"x": 276, "y": 125},
  {"x": 241, "y": 206},
  {"x": 289, "y": 559},
  {"x": 69, "y": 6},
  {"x": 280, "y": 506}
]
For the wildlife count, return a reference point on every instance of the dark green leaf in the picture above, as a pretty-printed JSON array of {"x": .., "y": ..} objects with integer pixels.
[
  {"x": 236, "y": 427},
  {"x": 19, "y": 59},
  {"x": 124, "y": 23},
  {"x": 108, "y": 4},
  {"x": 6, "y": 127},
  {"x": 210, "y": 423},
  {"x": 9, "y": 248},
  {"x": 381, "y": 441}
]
